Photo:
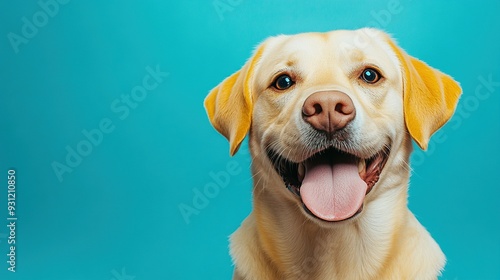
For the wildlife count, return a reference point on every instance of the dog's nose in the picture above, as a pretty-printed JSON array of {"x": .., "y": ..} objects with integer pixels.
[{"x": 328, "y": 111}]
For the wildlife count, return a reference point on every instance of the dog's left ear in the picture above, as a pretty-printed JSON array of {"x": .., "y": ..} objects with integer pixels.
[
  {"x": 429, "y": 97},
  {"x": 229, "y": 105}
]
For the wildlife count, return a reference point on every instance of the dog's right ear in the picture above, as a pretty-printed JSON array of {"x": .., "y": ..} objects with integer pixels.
[{"x": 230, "y": 104}]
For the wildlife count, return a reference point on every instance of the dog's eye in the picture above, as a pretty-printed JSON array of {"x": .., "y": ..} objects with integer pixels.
[
  {"x": 370, "y": 75},
  {"x": 283, "y": 82}
]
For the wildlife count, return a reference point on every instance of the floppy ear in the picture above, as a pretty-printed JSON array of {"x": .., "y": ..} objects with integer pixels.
[
  {"x": 429, "y": 97},
  {"x": 229, "y": 105}
]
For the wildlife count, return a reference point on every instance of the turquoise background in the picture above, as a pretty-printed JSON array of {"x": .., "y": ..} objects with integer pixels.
[{"x": 116, "y": 215}]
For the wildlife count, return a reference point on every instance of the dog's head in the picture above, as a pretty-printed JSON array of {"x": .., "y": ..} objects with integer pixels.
[{"x": 330, "y": 112}]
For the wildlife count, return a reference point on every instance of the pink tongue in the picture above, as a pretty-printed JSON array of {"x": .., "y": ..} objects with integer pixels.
[{"x": 333, "y": 191}]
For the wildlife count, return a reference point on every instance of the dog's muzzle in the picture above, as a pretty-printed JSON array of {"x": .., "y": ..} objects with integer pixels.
[{"x": 331, "y": 183}]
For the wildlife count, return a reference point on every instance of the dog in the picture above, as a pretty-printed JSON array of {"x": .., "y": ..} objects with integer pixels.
[{"x": 330, "y": 119}]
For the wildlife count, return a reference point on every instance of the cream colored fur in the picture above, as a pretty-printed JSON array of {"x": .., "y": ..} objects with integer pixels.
[{"x": 279, "y": 240}]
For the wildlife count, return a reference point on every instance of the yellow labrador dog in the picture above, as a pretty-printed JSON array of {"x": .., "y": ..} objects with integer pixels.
[{"x": 330, "y": 118}]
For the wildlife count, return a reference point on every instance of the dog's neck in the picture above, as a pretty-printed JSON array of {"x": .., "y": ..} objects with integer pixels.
[{"x": 335, "y": 245}]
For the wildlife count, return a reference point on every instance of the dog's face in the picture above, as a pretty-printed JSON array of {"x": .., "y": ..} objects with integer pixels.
[{"x": 329, "y": 113}]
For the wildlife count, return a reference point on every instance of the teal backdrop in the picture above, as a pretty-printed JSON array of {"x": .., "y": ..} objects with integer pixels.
[{"x": 119, "y": 175}]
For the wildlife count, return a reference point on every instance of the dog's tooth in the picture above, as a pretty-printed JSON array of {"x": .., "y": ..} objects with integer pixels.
[
  {"x": 301, "y": 171},
  {"x": 361, "y": 165}
]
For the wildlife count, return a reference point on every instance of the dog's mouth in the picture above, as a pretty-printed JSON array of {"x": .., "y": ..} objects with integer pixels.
[{"x": 331, "y": 184}]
